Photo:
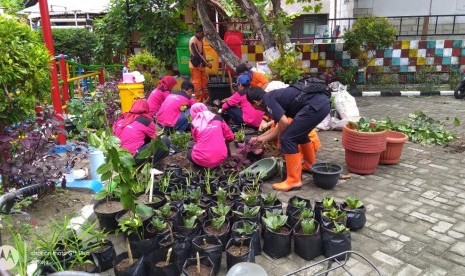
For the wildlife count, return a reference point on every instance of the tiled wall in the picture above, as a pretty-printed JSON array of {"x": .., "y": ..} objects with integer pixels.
[{"x": 404, "y": 56}]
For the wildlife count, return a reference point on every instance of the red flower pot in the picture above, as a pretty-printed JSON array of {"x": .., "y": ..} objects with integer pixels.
[
  {"x": 394, "y": 145},
  {"x": 363, "y": 149}
]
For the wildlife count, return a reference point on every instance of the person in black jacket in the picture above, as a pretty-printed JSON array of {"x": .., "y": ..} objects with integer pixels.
[{"x": 296, "y": 114}]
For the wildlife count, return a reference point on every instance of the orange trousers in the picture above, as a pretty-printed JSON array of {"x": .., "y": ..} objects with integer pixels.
[{"x": 199, "y": 80}]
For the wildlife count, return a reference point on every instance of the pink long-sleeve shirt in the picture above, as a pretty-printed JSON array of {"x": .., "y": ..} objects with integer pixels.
[
  {"x": 134, "y": 135},
  {"x": 155, "y": 100},
  {"x": 209, "y": 148},
  {"x": 170, "y": 109},
  {"x": 250, "y": 115}
]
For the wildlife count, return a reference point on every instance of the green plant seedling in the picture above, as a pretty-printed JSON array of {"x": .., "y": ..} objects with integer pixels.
[
  {"x": 273, "y": 213},
  {"x": 248, "y": 212},
  {"x": 195, "y": 195},
  {"x": 218, "y": 222},
  {"x": 249, "y": 199},
  {"x": 248, "y": 228},
  {"x": 328, "y": 202},
  {"x": 193, "y": 210},
  {"x": 299, "y": 203},
  {"x": 221, "y": 195},
  {"x": 334, "y": 214},
  {"x": 158, "y": 224},
  {"x": 340, "y": 228},
  {"x": 164, "y": 211},
  {"x": 221, "y": 210},
  {"x": 306, "y": 213},
  {"x": 308, "y": 226},
  {"x": 274, "y": 223},
  {"x": 269, "y": 198},
  {"x": 353, "y": 203},
  {"x": 190, "y": 222}
]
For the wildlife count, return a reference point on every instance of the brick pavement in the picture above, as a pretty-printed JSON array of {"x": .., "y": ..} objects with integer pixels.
[{"x": 415, "y": 210}]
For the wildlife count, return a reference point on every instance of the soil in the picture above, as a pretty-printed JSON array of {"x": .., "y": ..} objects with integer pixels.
[
  {"x": 211, "y": 230},
  {"x": 271, "y": 151},
  {"x": 178, "y": 159},
  {"x": 162, "y": 264},
  {"x": 457, "y": 146},
  {"x": 207, "y": 245},
  {"x": 110, "y": 207},
  {"x": 85, "y": 267},
  {"x": 144, "y": 199},
  {"x": 121, "y": 266},
  {"x": 38, "y": 215},
  {"x": 204, "y": 270},
  {"x": 283, "y": 230},
  {"x": 102, "y": 249},
  {"x": 238, "y": 250}
]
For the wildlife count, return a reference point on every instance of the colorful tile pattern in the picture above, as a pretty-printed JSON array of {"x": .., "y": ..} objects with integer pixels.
[{"x": 404, "y": 56}]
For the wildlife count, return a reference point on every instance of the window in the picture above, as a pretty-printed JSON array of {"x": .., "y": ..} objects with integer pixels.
[{"x": 308, "y": 28}]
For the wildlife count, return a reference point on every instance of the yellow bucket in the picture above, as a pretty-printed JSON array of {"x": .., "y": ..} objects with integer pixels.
[{"x": 128, "y": 92}]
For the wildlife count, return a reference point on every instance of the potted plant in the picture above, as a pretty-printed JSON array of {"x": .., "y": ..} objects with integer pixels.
[
  {"x": 307, "y": 239},
  {"x": 239, "y": 250},
  {"x": 239, "y": 137},
  {"x": 326, "y": 175},
  {"x": 296, "y": 203},
  {"x": 271, "y": 201},
  {"x": 277, "y": 236},
  {"x": 355, "y": 210},
  {"x": 168, "y": 213},
  {"x": 162, "y": 263},
  {"x": 220, "y": 210},
  {"x": 394, "y": 145},
  {"x": 218, "y": 227},
  {"x": 189, "y": 228},
  {"x": 363, "y": 145},
  {"x": 300, "y": 214},
  {"x": 193, "y": 210},
  {"x": 335, "y": 240},
  {"x": 198, "y": 266},
  {"x": 221, "y": 196},
  {"x": 108, "y": 206},
  {"x": 250, "y": 230},
  {"x": 209, "y": 246},
  {"x": 158, "y": 227},
  {"x": 245, "y": 212},
  {"x": 251, "y": 198},
  {"x": 325, "y": 205},
  {"x": 334, "y": 215}
]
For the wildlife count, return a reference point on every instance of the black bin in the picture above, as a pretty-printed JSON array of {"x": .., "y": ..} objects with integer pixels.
[{"x": 218, "y": 91}]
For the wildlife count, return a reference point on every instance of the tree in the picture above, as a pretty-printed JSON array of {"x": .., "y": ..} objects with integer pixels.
[{"x": 24, "y": 71}]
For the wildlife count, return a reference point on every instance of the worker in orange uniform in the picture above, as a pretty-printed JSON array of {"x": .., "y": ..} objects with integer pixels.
[
  {"x": 197, "y": 64},
  {"x": 257, "y": 79}
]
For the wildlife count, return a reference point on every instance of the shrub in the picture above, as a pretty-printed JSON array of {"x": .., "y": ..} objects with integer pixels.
[
  {"x": 76, "y": 43},
  {"x": 149, "y": 66},
  {"x": 24, "y": 71}
]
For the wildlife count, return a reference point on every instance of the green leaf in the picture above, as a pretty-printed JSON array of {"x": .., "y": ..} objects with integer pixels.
[{"x": 456, "y": 121}]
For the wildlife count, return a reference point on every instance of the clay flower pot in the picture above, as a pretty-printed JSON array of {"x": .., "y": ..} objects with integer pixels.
[
  {"x": 362, "y": 149},
  {"x": 394, "y": 145}
]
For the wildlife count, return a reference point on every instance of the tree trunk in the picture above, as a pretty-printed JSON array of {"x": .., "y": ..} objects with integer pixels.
[
  {"x": 226, "y": 55},
  {"x": 276, "y": 9},
  {"x": 258, "y": 22}
]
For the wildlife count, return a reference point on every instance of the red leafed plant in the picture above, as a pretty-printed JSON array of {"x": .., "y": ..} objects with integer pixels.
[{"x": 246, "y": 153}]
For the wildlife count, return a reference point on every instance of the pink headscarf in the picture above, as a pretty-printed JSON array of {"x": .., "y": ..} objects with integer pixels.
[
  {"x": 139, "y": 107},
  {"x": 201, "y": 116},
  {"x": 168, "y": 82}
]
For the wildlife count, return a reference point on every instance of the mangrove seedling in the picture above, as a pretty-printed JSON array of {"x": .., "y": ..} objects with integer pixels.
[
  {"x": 209, "y": 175},
  {"x": 328, "y": 202},
  {"x": 220, "y": 210},
  {"x": 165, "y": 182},
  {"x": 248, "y": 228},
  {"x": 249, "y": 199},
  {"x": 195, "y": 195},
  {"x": 158, "y": 224},
  {"x": 221, "y": 195},
  {"x": 190, "y": 222},
  {"x": 193, "y": 210},
  {"x": 306, "y": 213},
  {"x": 248, "y": 212},
  {"x": 300, "y": 204},
  {"x": 353, "y": 203},
  {"x": 334, "y": 214},
  {"x": 269, "y": 198},
  {"x": 164, "y": 211},
  {"x": 275, "y": 223},
  {"x": 232, "y": 178},
  {"x": 308, "y": 226},
  {"x": 218, "y": 222},
  {"x": 131, "y": 225}
]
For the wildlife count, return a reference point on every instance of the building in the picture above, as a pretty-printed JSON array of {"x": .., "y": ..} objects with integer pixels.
[{"x": 69, "y": 14}]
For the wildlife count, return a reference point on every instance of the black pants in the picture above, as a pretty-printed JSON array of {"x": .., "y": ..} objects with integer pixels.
[
  {"x": 158, "y": 155},
  {"x": 303, "y": 122}
]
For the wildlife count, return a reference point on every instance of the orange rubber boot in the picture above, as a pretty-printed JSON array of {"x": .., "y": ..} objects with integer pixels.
[
  {"x": 308, "y": 156},
  {"x": 294, "y": 173}
]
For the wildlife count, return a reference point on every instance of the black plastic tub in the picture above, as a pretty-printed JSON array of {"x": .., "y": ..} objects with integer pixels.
[{"x": 218, "y": 91}]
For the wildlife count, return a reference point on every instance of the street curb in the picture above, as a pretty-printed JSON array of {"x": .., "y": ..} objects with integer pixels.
[{"x": 399, "y": 93}]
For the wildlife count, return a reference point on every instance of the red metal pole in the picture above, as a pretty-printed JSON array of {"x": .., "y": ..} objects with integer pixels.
[
  {"x": 101, "y": 77},
  {"x": 48, "y": 39},
  {"x": 64, "y": 79}
]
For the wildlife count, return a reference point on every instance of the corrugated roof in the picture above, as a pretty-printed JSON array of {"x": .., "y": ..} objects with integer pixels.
[{"x": 60, "y": 7}]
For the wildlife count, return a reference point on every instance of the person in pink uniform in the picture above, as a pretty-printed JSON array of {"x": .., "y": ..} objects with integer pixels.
[
  {"x": 159, "y": 94},
  {"x": 239, "y": 109},
  {"x": 211, "y": 135},
  {"x": 136, "y": 129},
  {"x": 174, "y": 111}
]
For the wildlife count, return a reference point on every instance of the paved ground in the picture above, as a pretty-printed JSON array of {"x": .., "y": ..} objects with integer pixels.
[{"x": 415, "y": 210}]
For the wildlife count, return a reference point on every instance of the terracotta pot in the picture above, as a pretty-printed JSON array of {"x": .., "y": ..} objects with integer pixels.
[
  {"x": 362, "y": 149},
  {"x": 394, "y": 145}
]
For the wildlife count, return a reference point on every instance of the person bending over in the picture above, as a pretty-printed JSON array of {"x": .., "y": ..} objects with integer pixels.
[{"x": 159, "y": 94}]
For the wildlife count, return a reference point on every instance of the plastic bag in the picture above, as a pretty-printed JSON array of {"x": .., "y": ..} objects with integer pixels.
[{"x": 345, "y": 103}]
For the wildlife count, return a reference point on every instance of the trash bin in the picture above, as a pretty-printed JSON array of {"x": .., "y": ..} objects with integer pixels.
[
  {"x": 183, "y": 53},
  {"x": 234, "y": 40},
  {"x": 211, "y": 57},
  {"x": 218, "y": 91},
  {"x": 128, "y": 92}
]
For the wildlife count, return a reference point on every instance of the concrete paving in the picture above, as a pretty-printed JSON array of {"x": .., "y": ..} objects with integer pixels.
[{"x": 415, "y": 210}]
